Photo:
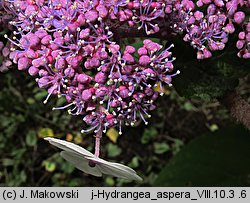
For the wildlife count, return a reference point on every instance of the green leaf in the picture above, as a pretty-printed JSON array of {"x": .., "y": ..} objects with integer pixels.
[
  {"x": 189, "y": 106},
  {"x": 8, "y": 162},
  {"x": 110, "y": 181},
  {"x": 67, "y": 167},
  {"x": 148, "y": 135},
  {"x": 31, "y": 138},
  {"x": 4, "y": 32},
  {"x": 213, "y": 127},
  {"x": 221, "y": 158},
  {"x": 134, "y": 162},
  {"x": 210, "y": 78},
  {"x": 176, "y": 146},
  {"x": 41, "y": 95},
  {"x": 113, "y": 150},
  {"x": 160, "y": 148},
  {"x": 75, "y": 182},
  {"x": 45, "y": 132},
  {"x": 18, "y": 153},
  {"x": 196, "y": 82},
  {"x": 23, "y": 176},
  {"x": 49, "y": 166},
  {"x": 30, "y": 101},
  {"x": 112, "y": 134}
]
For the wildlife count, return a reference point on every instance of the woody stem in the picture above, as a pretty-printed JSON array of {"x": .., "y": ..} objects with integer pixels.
[{"x": 238, "y": 107}]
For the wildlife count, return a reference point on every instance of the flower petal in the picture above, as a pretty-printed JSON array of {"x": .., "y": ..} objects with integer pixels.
[
  {"x": 117, "y": 170},
  {"x": 81, "y": 163},
  {"x": 69, "y": 147}
]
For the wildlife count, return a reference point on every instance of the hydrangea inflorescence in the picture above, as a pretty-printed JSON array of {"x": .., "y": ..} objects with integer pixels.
[
  {"x": 68, "y": 46},
  {"x": 71, "y": 47}
]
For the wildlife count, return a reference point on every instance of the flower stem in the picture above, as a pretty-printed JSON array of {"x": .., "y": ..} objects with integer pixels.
[{"x": 97, "y": 142}]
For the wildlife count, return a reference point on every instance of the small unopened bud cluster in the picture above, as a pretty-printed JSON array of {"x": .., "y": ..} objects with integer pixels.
[
  {"x": 243, "y": 43},
  {"x": 208, "y": 29},
  {"x": 5, "y": 62}
]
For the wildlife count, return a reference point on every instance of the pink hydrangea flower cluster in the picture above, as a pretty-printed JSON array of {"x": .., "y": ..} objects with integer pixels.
[
  {"x": 71, "y": 47},
  {"x": 222, "y": 16},
  {"x": 208, "y": 29},
  {"x": 68, "y": 46}
]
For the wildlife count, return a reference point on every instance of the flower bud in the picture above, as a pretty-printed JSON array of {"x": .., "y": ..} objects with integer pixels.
[
  {"x": 23, "y": 63},
  {"x": 83, "y": 78},
  {"x": 33, "y": 70},
  {"x": 239, "y": 17},
  {"x": 86, "y": 95},
  {"x": 144, "y": 60},
  {"x": 100, "y": 77}
]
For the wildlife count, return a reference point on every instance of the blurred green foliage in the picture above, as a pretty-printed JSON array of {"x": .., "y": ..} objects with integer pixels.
[
  {"x": 221, "y": 158},
  {"x": 148, "y": 135},
  {"x": 113, "y": 150},
  {"x": 27, "y": 160},
  {"x": 160, "y": 148}
]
